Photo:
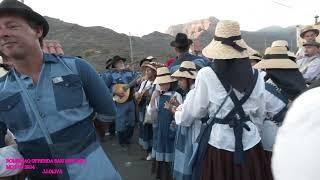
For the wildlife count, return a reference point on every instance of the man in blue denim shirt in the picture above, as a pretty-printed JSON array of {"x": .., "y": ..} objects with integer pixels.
[
  {"x": 126, "y": 116},
  {"x": 181, "y": 45},
  {"x": 48, "y": 101}
]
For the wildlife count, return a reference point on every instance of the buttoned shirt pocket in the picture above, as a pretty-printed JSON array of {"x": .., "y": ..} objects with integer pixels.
[
  {"x": 13, "y": 112},
  {"x": 68, "y": 91}
]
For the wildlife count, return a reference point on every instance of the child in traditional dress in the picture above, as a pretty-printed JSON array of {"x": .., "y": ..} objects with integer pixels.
[
  {"x": 164, "y": 130},
  {"x": 186, "y": 133}
]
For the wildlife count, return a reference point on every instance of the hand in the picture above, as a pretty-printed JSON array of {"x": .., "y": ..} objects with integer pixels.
[
  {"x": 174, "y": 101},
  {"x": 167, "y": 105}
]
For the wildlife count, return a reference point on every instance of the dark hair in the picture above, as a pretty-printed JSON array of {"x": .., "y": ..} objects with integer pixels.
[
  {"x": 34, "y": 26},
  {"x": 113, "y": 64},
  {"x": 183, "y": 49}
]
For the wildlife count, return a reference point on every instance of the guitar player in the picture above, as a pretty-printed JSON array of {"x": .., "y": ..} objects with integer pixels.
[
  {"x": 118, "y": 74},
  {"x": 143, "y": 96}
]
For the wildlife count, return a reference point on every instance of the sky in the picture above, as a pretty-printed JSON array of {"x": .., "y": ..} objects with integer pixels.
[{"x": 141, "y": 17}]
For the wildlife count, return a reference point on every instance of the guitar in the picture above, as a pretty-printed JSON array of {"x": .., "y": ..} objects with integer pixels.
[
  {"x": 138, "y": 98},
  {"x": 121, "y": 92}
]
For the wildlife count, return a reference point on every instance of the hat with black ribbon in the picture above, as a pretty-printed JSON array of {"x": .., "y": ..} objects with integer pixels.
[
  {"x": 163, "y": 76},
  {"x": 187, "y": 70},
  {"x": 276, "y": 58},
  {"x": 227, "y": 42}
]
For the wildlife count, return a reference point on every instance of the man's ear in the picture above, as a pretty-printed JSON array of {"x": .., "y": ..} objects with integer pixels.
[{"x": 39, "y": 31}]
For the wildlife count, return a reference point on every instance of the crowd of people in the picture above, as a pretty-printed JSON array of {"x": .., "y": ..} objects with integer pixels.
[{"x": 229, "y": 114}]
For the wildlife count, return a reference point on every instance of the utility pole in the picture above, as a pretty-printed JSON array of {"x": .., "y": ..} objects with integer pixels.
[
  {"x": 130, "y": 43},
  {"x": 316, "y": 19}
]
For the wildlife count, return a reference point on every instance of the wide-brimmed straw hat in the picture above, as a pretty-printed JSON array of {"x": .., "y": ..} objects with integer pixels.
[
  {"x": 187, "y": 70},
  {"x": 307, "y": 29},
  {"x": 18, "y": 8},
  {"x": 163, "y": 76},
  {"x": 255, "y": 56},
  {"x": 280, "y": 43},
  {"x": 276, "y": 58},
  {"x": 227, "y": 42},
  {"x": 152, "y": 65},
  {"x": 147, "y": 59}
]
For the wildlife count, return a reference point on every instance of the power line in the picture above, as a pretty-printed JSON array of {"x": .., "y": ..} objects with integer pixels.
[{"x": 281, "y": 4}]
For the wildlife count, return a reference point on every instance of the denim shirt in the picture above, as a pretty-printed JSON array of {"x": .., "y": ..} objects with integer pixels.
[
  {"x": 113, "y": 77},
  {"x": 68, "y": 91},
  {"x": 200, "y": 62}
]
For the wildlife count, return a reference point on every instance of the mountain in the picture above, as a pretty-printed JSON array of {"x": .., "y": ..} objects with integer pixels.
[
  {"x": 96, "y": 44},
  {"x": 204, "y": 29}
]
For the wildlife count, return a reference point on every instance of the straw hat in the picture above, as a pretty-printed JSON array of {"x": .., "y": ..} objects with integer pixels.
[
  {"x": 187, "y": 70},
  {"x": 147, "y": 59},
  {"x": 163, "y": 76},
  {"x": 227, "y": 42},
  {"x": 255, "y": 55},
  {"x": 152, "y": 65},
  {"x": 280, "y": 43},
  {"x": 307, "y": 29},
  {"x": 292, "y": 56},
  {"x": 276, "y": 58}
]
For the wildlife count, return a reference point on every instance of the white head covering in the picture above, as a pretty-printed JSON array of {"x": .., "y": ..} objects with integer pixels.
[{"x": 297, "y": 148}]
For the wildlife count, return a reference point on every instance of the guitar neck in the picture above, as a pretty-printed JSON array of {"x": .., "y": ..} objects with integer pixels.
[{"x": 133, "y": 82}]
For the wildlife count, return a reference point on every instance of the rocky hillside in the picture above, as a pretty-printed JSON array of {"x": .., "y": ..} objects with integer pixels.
[
  {"x": 204, "y": 30},
  {"x": 98, "y": 43}
]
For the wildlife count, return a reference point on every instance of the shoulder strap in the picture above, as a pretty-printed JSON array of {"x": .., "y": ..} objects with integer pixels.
[
  {"x": 237, "y": 103},
  {"x": 272, "y": 89}
]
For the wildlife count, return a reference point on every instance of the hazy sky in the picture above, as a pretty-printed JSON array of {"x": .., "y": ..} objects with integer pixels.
[{"x": 140, "y": 17}]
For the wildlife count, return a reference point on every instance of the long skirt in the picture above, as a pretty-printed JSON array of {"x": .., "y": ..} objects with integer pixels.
[
  {"x": 162, "y": 170},
  {"x": 218, "y": 165},
  {"x": 145, "y": 132},
  {"x": 183, "y": 152},
  {"x": 268, "y": 155}
]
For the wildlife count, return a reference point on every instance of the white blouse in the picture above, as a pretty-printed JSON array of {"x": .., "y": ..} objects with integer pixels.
[
  {"x": 196, "y": 125},
  {"x": 206, "y": 98},
  {"x": 146, "y": 84}
]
